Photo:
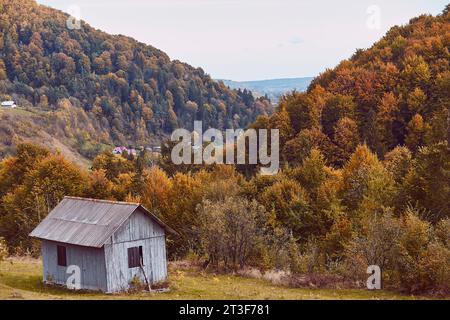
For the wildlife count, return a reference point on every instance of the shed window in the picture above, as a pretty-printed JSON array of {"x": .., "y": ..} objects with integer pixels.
[
  {"x": 135, "y": 257},
  {"x": 62, "y": 258}
]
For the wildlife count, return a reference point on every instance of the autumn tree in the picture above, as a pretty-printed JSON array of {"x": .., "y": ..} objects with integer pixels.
[
  {"x": 416, "y": 133},
  {"x": 129, "y": 90},
  {"x": 366, "y": 183},
  {"x": 3, "y": 74},
  {"x": 184, "y": 196},
  {"x": 157, "y": 188},
  {"x": 290, "y": 202},
  {"x": 231, "y": 230},
  {"x": 398, "y": 162},
  {"x": 281, "y": 121},
  {"x": 99, "y": 186},
  {"x": 42, "y": 189},
  {"x": 14, "y": 170},
  {"x": 427, "y": 183},
  {"x": 312, "y": 173},
  {"x": 112, "y": 165},
  {"x": 346, "y": 138},
  {"x": 336, "y": 107},
  {"x": 297, "y": 149},
  {"x": 386, "y": 117}
]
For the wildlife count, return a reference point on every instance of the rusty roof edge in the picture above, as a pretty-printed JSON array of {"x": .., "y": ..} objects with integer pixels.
[{"x": 103, "y": 201}]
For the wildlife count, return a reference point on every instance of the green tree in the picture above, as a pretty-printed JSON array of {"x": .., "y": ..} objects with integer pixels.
[
  {"x": 398, "y": 162},
  {"x": 336, "y": 107},
  {"x": 366, "y": 183},
  {"x": 427, "y": 183}
]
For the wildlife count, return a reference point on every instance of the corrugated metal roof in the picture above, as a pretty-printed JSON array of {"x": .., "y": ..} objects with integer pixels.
[{"x": 86, "y": 222}]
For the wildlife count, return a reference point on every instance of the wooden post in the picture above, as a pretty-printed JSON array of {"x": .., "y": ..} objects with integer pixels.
[{"x": 145, "y": 276}]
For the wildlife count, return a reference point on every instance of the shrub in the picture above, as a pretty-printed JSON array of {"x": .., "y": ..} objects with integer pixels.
[
  {"x": 296, "y": 263},
  {"x": 377, "y": 244},
  {"x": 3, "y": 249},
  {"x": 312, "y": 260},
  {"x": 442, "y": 232},
  {"x": 413, "y": 243},
  {"x": 136, "y": 285},
  {"x": 433, "y": 270},
  {"x": 230, "y": 230}
]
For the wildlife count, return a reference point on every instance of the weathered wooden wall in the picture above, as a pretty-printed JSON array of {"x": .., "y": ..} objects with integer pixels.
[
  {"x": 90, "y": 260},
  {"x": 138, "y": 230}
]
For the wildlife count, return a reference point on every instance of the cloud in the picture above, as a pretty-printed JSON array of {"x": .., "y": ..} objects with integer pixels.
[
  {"x": 296, "y": 40},
  {"x": 293, "y": 41}
]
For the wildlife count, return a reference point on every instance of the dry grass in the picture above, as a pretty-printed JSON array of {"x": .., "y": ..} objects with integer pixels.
[
  {"x": 34, "y": 126},
  {"x": 20, "y": 278}
]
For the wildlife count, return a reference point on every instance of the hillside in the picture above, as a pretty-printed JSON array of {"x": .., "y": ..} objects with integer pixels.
[
  {"x": 364, "y": 175},
  {"x": 102, "y": 89},
  {"x": 273, "y": 88},
  {"x": 394, "y": 93}
]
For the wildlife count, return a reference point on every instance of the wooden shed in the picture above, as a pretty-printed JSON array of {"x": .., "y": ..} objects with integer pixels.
[{"x": 111, "y": 243}]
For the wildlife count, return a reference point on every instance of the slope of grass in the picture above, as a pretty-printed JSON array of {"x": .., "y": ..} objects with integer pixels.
[
  {"x": 21, "y": 279},
  {"x": 38, "y": 127}
]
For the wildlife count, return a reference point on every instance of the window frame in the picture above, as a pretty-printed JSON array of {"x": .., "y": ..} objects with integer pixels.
[
  {"x": 135, "y": 257},
  {"x": 61, "y": 255}
]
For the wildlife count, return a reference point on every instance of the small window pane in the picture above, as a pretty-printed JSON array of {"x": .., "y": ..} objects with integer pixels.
[
  {"x": 62, "y": 258},
  {"x": 135, "y": 257}
]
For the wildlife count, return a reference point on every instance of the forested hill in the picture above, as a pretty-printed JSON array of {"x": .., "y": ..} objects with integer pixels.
[
  {"x": 118, "y": 90},
  {"x": 394, "y": 93}
]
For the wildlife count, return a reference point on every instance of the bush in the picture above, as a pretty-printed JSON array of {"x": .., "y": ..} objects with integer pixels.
[
  {"x": 433, "y": 270},
  {"x": 231, "y": 230},
  {"x": 377, "y": 244},
  {"x": 412, "y": 245},
  {"x": 442, "y": 232},
  {"x": 136, "y": 285},
  {"x": 296, "y": 263},
  {"x": 3, "y": 249}
]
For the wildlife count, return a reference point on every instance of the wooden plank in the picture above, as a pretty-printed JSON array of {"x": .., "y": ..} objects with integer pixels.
[{"x": 91, "y": 262}]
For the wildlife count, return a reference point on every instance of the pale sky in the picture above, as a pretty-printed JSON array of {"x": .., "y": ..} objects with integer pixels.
[{"x": 252, "y": 39}]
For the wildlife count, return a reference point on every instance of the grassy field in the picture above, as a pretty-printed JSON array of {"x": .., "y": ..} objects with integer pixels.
[{"x": 21, "y": 279}]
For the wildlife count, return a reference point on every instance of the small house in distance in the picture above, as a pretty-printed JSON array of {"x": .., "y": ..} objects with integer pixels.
[
  {"x": 8, "y": 104},
  {"x": 111, "y": 242},
  {"x": 118, "y": 151}
]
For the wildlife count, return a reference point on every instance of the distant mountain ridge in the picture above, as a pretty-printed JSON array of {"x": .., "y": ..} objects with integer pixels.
[
  {"x": 94, "y": 89},
  {"x": 273, "y": 88}
]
